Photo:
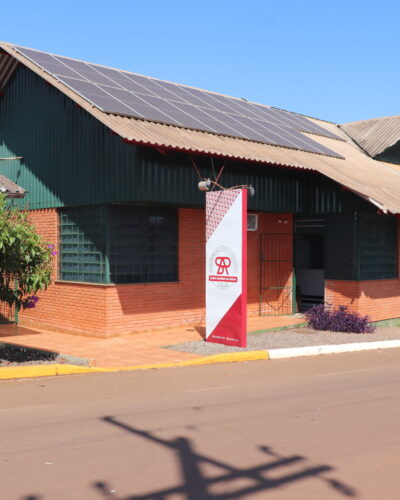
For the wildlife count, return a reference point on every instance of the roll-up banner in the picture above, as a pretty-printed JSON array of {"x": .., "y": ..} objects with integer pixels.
[{"x": 226, "y": 267}]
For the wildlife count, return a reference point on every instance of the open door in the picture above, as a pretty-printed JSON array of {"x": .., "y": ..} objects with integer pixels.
[{"x": 309, "y": 262}]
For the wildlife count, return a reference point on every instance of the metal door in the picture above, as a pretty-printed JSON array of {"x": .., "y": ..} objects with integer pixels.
[{"x": 277, "y": 287}]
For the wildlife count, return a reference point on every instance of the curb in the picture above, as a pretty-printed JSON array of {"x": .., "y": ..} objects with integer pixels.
[
  {"x": 57, "y": 369},
  {"x": 15, "y": 372},
  {"x": 234, "y": 357},
  {"x": 315, "y": 350}
]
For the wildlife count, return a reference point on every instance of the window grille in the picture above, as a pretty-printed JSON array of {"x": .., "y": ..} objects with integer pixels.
[
  {"x": 143, "y": 244},
  {"x": 82, "y": 244},
  {"x": 118, "y": 244}
]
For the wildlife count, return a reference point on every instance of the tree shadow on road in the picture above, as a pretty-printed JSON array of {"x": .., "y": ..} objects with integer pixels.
[{"x": 196, "y": 486}]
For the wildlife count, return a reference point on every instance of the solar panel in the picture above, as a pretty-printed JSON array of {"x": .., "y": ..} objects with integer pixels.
[
  {"x": 303, "y": 124},
  {"x": 119, "y": 92},
  {"x": 85, "y": 71},
  {"x": 97, "y": 96}
]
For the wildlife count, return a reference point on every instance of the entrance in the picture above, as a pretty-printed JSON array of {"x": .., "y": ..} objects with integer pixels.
[
  {"x": 276, "y": 286},
  {"x": 309, "y": 261}
]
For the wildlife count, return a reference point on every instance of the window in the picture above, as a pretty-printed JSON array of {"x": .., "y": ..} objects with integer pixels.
[
  {"x": 82, "y": 244},
  {"x": 143, "y": 244},
  {"x": 118, "y": 244},
  {"x": 377, "y": 246},
  {"x": 361, "y": 246}
]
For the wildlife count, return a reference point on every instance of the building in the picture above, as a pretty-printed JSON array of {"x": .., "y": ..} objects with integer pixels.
[{"x": 111, "y": 177}]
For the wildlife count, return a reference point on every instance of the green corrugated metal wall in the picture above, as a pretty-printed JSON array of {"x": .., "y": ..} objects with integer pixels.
[
  {"x": 341, "y": 256},
  {"x": 377, "y": 246},
  {"x": 360, "y": 246},
  {"x": 71, "y": 159}
]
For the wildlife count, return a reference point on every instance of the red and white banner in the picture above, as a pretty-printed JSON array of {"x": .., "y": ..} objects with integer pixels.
[{"x": 226, "y": 267}]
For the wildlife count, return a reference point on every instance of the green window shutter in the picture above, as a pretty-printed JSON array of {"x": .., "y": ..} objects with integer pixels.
[
  {"x": 361, "y": 246},
  {"x": 143, "y": 244},
  {"x": 82, "y": 245},
  {"x": 341, "y": 247},
  {"x": 119, "y": 244},
  {"x": 377, "y": 236}
]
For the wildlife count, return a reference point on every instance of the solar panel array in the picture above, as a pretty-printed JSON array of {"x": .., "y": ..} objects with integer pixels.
[{"x": 123, "y": 93}]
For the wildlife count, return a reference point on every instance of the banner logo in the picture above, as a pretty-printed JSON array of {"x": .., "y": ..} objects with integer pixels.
[
  {"x": 223, "y": 263},
  {"x": 223, "y": 268}
]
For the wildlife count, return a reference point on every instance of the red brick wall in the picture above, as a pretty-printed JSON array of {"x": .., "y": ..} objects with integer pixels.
[
  {"x": 380, "y": 299},
  {"x": 77, "y": 308},
  {"x": 144, "y": 306},
  {"x": 150, "y": 305},
  {"x": 106, "y": 310}
]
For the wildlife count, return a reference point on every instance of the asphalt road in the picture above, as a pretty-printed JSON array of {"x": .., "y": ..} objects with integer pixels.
[{"x": 301, "y": 429}]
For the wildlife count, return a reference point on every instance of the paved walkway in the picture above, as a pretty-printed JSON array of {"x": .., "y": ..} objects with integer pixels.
[{"x": 142, "y": 348}]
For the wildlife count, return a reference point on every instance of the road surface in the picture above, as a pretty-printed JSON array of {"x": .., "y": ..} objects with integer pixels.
[{"x": 318, "y": 428}]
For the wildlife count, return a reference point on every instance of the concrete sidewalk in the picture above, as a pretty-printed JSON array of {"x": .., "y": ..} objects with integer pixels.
[
  {"x": 128, "y": 353},
  {"x": 143, "y": 348},
  {"x": 185, "y": 345}
]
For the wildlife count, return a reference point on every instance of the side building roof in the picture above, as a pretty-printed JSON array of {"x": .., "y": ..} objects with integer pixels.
[{"x": 376, "y": 135}]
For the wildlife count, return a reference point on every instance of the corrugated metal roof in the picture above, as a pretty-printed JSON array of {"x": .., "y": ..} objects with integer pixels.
[
  {"x": 376, "y": 135},
  {"x": 374, "y": 180},
  {"x": 10, "y": 189}
]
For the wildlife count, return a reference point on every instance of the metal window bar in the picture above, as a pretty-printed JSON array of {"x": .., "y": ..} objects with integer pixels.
[
  {"x": 119, "y": 244},
  {"x": 276, "y": 274},
  {"x": 143, "y": 244},
  {"x": 82, "y": 244}
]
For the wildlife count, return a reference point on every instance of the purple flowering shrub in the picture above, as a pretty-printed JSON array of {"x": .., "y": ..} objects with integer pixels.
[
  {"x": 31, "y": 301},
  {"x": 52, "y": 249},
  {"x": 325, "y": 317}
]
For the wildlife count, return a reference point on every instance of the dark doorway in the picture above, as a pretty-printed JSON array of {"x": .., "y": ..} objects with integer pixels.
[{"x": 309, "y": 261}]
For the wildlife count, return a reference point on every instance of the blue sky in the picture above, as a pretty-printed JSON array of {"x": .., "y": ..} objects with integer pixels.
[{"x": 334, "y": 60}]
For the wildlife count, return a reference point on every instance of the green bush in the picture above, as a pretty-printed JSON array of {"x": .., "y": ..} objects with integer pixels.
[{"x": 24, "y": 256}]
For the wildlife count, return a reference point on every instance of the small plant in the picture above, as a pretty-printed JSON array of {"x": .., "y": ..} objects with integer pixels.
[{"x": 325, "y": 317}]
